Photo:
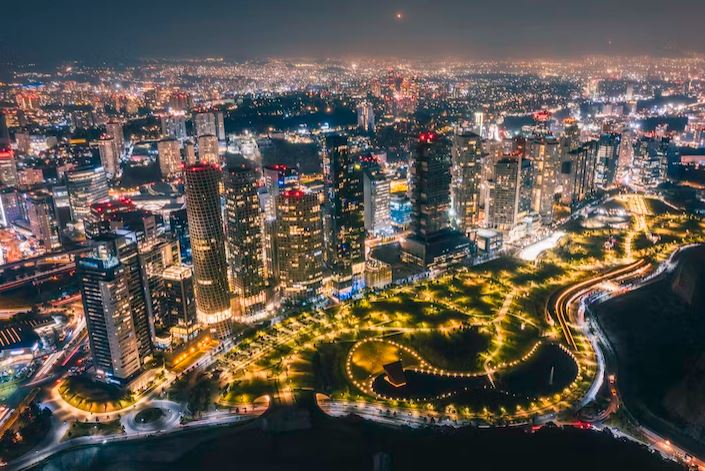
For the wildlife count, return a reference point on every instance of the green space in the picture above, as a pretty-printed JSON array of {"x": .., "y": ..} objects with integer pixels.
[{"x": 93, "y": 429}]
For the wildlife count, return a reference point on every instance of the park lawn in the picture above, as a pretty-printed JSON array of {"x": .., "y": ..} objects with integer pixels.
[
  {"x": 455, "y": 350},
  {"x": 246, "y": 390},
  {"x": 92, "y": 429}
]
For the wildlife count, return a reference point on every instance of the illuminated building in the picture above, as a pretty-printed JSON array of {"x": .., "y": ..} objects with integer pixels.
[
  {"x": 179, "y": 302},
  {"x": 277, "y": 178},
  {"x": 466, "y": 179},
  {"x": 41, "y": 215},
  {"x": 432, "y": 244},
  {"x": 174, "y": 125},
  {"x": 378, "y": 274},
  {"x": 169, "y": 150},
  {"x": 300, "y": 244},
  {"x": 115, "y": 305},
  {"x": 650, "y": 163},
  {"x": 8, "y": 167},
  {"x": 109, "y": 155},
  {"x": 504, "y": 195},
  {"x": 4, "y": 132},
  {"x": 346, "y": 234},
  {"x": 208, "y": 149},
  {"x": 220, "y": 126},
  {"x": 189, "y": 153},
  {"x": 180, "y": 101},
  {"x": 376, "y": 202},
  {"x": 204, "y": 123},
  {"x": 366, "y": 117},
  {"x": 86, "y": 185},
  {"x": 243, "y": 223},
  {"x": 578, "y": 173},
  {"x": 545, "y": 155},
  {"x": 9, "y": 206},
  {"x": 114, "y": 130},
  {"x": 608, "y": 150},
  {"x": 208, "y": 248}
]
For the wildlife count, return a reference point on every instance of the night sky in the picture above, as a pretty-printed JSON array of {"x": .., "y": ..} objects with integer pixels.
[{"x": 55, "y": 30}]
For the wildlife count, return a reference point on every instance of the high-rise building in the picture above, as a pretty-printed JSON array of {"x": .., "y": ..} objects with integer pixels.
[
  {"x": 174, "y": 125},
  {"x": 189, "y": 153},
  {"x": 504, "y": 194},
  {"x": 545, "y": 155},
  {"x": 8, "y": 167},
  {"x": 220, "y": 126},
  {"x": 169, "y": 157},
  {"x": 466, "y": 172},
  {"x": 366, "y": 117},
  {"x": 208, "y": 149},
  {"x": 4, "y": 132},
  {"x": 86, "y": 186},
  {"x": 432, "y": 244},
  {"x": 208, "y": 248},
  {"x": 277, "y": 178},
  {"x": 376, "y": 189},
  {"x": 346, "y": 232},
  {"x": 9, "y": 206},
  {"x": 109, "y": 155},
  {"x": 243, "y": 223},
  {"x": 179, "y": 302},
  {"x": 650, "y": 163},
  {"x": 41, "y": 215},
  {"x": 608, "y": 151},
  {"x": 300, "y": 244},
  {"x": 580, "y": 170},
  {"x": 114, "y": 130},
  {"x": 204, "y": 123},
  {"x": 115, "y": 305}
]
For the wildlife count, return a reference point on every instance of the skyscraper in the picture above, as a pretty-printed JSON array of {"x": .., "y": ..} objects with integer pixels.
[
  {"x": 86, "y": 185},
  {"x": 466, "y": 171},
  {"x": 366, "y": 117},
  {"x": 208, "y": 149},
  {"x": 277, "y": 178},
  {"x": 8, "y": 167},
  {"x": 432, "y": 244},
  {"x": 114, "y": 301},
  {"x": 169, "y": 157},
  {"x": 650, "y": 163},
  {"x": 204, "y": 123},
  {"x": 378, "y": 219},
  {"x": 41, "y": 215},
  {"x": 346, "y": 235},
  {"x": 220, "y": 126},
  {"x": 109, "y": 155},
  {"x": 545, "y": 154},
  {"x": 244, "y": 238},
  {"x": 179, "y": 303},
  {"x": 114, "y": 130},
  {"x": 504, "y": 194},
  {"x": 609, "y": 147},
  {"x": 208, "y": 247},
  {"x": 174, "y": 125},
  {"x": 299, "y": 244},
  {"x": 4, "y": 132}
]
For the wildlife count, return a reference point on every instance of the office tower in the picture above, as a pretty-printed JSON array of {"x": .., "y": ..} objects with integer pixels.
[
  {"x": 504, "y": 194},
  {"x": 41, "y": 215},
  {"x": 220, "y": 126},
  {"x": 179, "y": 302},
  {"x": 114, "y": 130},
  {"x": 4, "y": 132},
  {"x": 169, "y": 150},
  {"x": 466, "y": 180},
  {"x": 608, "y": 151},
  {"x": 650, "y": 163},
  {"x": 432, "y": 244},
  {"x": 8, "y": 167},
  {"x": 115, "y": 305},
  {"x": 578, "y": 173},
  {"x": 86, "y": 186},
  {"x": 479, "y": 121},
  {"x": 9, "y": 206},
  {"x": 189, "y": 153},
  {"x": 208, "y": 149},
  {"x": 277, "y": 178},
  {"x": 109, "y": 155},
  {"x": 243, "y": 224},
  {"x": 156, "y": 254},
  {"x": 346, "y": 234},
  {"x": 204, "y": 123},
  {"x": 208, "y": 248},
  {"x": 376, "y": 189},
  {"x": 174, "y": 125},
  {"x": 545, "y": 155},
  {"x": 300, "y": 244},
  {"x": 366, "y": 117}
]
